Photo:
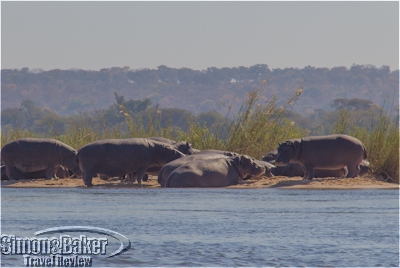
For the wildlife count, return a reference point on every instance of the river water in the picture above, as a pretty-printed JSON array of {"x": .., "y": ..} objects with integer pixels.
[{"x": 219, "y": 227}]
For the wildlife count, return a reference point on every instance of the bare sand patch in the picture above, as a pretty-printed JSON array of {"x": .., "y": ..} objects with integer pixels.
[
  {"x": 75, "y": 182},
  {"x": 364, "y": 182}
]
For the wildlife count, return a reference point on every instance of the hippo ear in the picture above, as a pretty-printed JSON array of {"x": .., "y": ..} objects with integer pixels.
[
  {"x": 246, "y": 159},
  {"x": 279, "y": 144}
]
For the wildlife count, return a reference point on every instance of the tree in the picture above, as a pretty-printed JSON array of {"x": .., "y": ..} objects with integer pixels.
[
  {"x": 351, "y": 104},
  {"x": 136, "y": 106}
]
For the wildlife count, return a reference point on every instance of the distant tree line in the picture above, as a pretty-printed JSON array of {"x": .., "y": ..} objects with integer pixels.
[
  {"x": 146, "y": 114},
  {"x": 69, "y": 92}
]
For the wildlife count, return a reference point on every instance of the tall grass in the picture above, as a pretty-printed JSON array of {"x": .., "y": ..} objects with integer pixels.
[
  {"x": 255, "y": 130},
  {"x": 381, "y": 139}
]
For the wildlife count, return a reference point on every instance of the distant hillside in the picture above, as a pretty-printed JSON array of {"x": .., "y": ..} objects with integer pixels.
[{"x": 70, "y": 91}]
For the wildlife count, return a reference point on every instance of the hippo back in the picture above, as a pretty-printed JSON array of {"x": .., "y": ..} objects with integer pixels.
[
  {"x": 118, "y": 157},
  {"x": 166, "y": 170},
  {"x": 217, "y": 172},
  {"x": 182, "y": 146},
  {"x": 31, "y": 154}
]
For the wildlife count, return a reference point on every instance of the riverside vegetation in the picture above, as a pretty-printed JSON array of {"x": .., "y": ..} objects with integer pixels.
[{"x": 256, "y": 129}]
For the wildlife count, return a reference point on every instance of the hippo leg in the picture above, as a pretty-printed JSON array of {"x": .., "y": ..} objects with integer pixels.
[
  {"x": 50, "y": 173},
  {"x": 145, "y": 177},
  {"x": 353, "y": 171},
  {"x": 305, "y": 177},
  {"x": 140, "y": 173},
  {"x": 131, "y": 177},
  {"x": 12, "y": 175},
  {"x": 87, "y": 178},
  {"x": 308, "y": 172},
  {"x": 345, "y": 172}
]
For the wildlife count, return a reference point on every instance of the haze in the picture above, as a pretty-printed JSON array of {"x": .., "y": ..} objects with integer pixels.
[{"x": 197, "y": 35}]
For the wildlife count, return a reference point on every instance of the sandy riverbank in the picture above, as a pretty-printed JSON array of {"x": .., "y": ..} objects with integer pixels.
[{"x": 364, "y": 182}]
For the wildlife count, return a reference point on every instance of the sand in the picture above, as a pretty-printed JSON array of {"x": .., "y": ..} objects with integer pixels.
[{"x": 364, "y": 182}]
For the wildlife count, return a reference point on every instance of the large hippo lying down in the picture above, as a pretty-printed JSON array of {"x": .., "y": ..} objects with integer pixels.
[
  {"x": 167, "y": 169},
  {"x": 268, "y": 166},
  {"x": 218, "y": 172},
  {"x": 30, "y": 155},
  {"x": 61, "y": 173},
  {"x": 323, "y": 152},
  {"x": 208, "y": 154},
  {"x": 118, "y": 157}
]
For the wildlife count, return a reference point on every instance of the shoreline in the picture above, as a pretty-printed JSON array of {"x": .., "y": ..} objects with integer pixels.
[{"x": 278, "y": 182}]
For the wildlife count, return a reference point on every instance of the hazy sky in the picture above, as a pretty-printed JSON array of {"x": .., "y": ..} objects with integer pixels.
[{"x": 197, "y": 35}]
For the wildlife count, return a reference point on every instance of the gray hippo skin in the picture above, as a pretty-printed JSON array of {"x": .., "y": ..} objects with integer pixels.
[
  {"x": 323, "y": 152},
  {"x": 61, "y": 173},
  {"x": 295, "y": 169},
  {"x": 268, "y": 169},
  {"x": 217, "y": 172},
  {"x": 267, "y": 165},
  {"x": 167, "y": 169},
  {"x": 182, "y": 146},
  {"x": 212, "y": 151},
  {"x": 118, "y": 157},
  {"x": 30, "y": 155}
]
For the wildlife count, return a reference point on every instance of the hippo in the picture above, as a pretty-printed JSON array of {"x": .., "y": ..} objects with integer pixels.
[
  {"x": 212, "y": 151},
  {"x": 182, "y": 146},
  {"x": 118, "y": 157},
  {"x": 271, "y": 156},
  {"x": 32, "y": 154},
  {"x": 364, "y": 167},
  {"x": 61, "y": 173},
  {"x": 323, "y": 152},
  {"x": 166, "y": 170},
  {"x": 267, "y": 165},
  {"x": 218, "y": 172},
  {"x": 295, "y": 169},
  {"x": 268, "y": 169}
]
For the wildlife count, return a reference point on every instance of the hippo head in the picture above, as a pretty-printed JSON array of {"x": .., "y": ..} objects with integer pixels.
[
  {"x": 247, "y": 166},
  {"x": 268, "y": 167},
  {"x": 230, "y": 154},
  {"x": 287, "y": 151},
  {"x": 184, "y": 147},
  {"x": 71, "y": 164},
  {"x": 271, "y": 156},
  {"x": 364, "y": 167},
  {"x": 166, "y": 153}
]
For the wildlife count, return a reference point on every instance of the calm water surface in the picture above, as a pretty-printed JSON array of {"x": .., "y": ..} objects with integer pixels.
[{"x": 219, "y": 227}]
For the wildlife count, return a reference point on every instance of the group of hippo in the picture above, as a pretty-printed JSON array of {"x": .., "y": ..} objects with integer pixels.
[{"x": 178, "y": 164}]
